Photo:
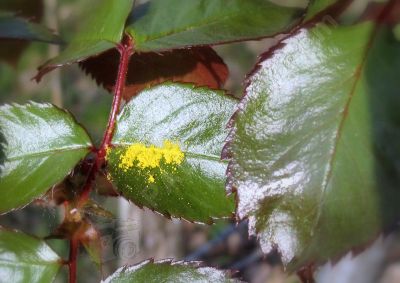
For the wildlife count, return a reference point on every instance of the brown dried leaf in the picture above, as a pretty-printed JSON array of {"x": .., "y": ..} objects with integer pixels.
[{"x": 201, "y": 66}]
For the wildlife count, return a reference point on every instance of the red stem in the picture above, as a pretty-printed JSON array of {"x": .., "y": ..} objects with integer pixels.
[
  {"x": 126, "y": 50},
  {"x": 73, "y": 253}
]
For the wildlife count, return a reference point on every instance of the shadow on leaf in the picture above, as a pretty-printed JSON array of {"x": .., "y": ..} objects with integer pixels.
[
  {"x": 3, "y": 144},
  {"x": 138, "y": 12},
  {"x": 201, "y": 66},
  {"x": 382, "y": 69}
]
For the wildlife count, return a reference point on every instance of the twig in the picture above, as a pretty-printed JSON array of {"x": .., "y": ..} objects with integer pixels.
[
  {"x": 125, "y": 49},
  {"x": 73, "y": 253}
]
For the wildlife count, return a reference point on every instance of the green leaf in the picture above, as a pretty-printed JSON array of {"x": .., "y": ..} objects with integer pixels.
[
  {"x": 167, "y": 271},
  {"x": 168, "y": 24},
  {"x": 315, "y": 144},
  {"x": 42, "y": 144},
  {"x": 396, "y": 31},
  {"x": 12, "y": 27},
  {"x": 103, "y": 30},
  {"x": 317, "y": 6},
  {"x": 25, "y": 259},
  {"x": 188, "y": 179}
]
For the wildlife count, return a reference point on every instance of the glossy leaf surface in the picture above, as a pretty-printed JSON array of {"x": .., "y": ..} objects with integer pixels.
[
  {"x": 315, "y": 144},
  {"x": 12, "y": 27},
  {"x": 167, "y": 271},
  {"x": 201, "y": 66},
  {"x": 24, "y": 259},
  {"x": 184, "y": 127},
  {"x": 102, "y": 31},
  {"x": 168, "y": 24},
  {"x": 42, "y": 145}
]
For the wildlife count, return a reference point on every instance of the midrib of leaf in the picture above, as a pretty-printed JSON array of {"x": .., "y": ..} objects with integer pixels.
[
  {"x": 204, "y": 156},
  {"x": 47, "y": 152},
  {"x": 188, "y": 153},
  {"x": 357, "y": 76}
]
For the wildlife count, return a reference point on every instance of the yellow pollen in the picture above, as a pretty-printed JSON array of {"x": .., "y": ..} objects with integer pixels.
[
  {"x": 108, "y": 151},
  {"x": 151, "y": 157},
  {"x": 151, "y": 179},
  {"x": 108, "y": 177}
]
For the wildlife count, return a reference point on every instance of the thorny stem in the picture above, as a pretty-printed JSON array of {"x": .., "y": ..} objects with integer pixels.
[{"x": 125, "y": 49}]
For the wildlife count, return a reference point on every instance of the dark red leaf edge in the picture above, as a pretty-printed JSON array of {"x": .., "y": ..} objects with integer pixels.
[
  {"x": 226, "y": 154},
  {"x": 306, "y": 274},
  {"x": 334, "y": 11},
  {"x": 44, "y": 69}
]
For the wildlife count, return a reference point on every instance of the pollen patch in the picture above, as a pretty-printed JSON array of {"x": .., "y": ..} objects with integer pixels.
[
  {"x": 148, "y": 158},
  {"x": 151, "y": 179}
]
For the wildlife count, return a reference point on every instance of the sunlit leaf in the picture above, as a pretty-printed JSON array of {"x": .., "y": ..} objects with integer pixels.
[
  {"x": 24, "y": 259},
  {"x": 42, "y": 144},
  {"x": 315, "y": 144},
  {"x": 166, "y": 151}
]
